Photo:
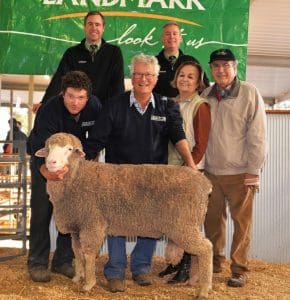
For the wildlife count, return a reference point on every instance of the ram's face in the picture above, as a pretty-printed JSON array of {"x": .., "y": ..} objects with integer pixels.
[{"x": 57, "y": 157}]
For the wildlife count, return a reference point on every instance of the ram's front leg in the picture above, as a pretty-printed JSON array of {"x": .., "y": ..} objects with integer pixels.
[
  {"x": 90, "y": 252},
  {"x": 79, "y": 258},
  {"x": 90, "y": 271},
  {"x": 91, "y": 242}
]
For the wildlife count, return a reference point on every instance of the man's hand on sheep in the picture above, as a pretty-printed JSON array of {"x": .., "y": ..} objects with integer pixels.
[
  {"x": 191, "y": 165},
  {"x": 53, "y": 176}
]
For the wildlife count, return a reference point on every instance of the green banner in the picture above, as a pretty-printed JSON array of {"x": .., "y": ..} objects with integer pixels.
[{"x": 35, "y": 33}]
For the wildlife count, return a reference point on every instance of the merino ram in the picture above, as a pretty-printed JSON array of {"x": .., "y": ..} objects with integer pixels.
[{"x": 98, "y": 199}]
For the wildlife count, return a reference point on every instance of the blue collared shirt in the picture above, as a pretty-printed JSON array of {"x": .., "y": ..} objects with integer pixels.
[{"x": 134, "y": 101}]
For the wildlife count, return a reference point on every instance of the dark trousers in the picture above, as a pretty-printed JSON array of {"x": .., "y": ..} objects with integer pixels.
[{"x": 41, "y": 212}]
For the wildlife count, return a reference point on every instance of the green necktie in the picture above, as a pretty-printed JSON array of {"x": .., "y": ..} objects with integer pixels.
[
  {"x": 93, "y": 50},
  {"x": 172, "y": 59}
]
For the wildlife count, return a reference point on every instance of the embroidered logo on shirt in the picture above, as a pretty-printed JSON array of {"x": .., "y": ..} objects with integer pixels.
[
  {"x": 158, "y": 118},
  {"x": 88, "y": 123}
]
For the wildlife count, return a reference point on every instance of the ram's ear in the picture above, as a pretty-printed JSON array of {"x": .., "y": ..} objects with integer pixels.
[
  {"x": 80, "y": 152},
  {"x": 41, "y": 152}
]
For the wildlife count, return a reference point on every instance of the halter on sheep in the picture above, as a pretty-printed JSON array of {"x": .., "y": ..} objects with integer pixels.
[{"x": 97, "y": 199}]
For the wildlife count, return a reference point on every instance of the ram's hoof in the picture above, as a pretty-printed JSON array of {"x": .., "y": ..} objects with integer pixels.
[
  {"x": 193, "y": 281},
  {"x": 77, "y": 278},
  {"x": 201, "y": 298},
  {"x": 87, "y": 287},
  {"x": 203, "y": 293}
]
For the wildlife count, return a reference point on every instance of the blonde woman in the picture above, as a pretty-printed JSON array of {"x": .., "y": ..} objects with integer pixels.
[{"x": 195, "y": 111}]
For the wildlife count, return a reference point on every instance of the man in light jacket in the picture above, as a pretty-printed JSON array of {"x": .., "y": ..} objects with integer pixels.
[{"x": 235, "y": 155}]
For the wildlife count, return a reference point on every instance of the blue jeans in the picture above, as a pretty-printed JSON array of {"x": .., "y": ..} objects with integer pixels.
[{"x": 141, "y": 256}]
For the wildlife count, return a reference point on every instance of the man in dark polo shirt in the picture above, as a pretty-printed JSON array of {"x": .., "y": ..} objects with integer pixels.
[
  {"x": 135, "y": 127},
  {"x": 101, "y": 61},
  {"x": 170, "y": 58},
  {"x": 74, "y": 111}
]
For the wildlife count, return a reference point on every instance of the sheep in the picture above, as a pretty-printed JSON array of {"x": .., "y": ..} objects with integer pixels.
[{"x": 98, "y": 199}]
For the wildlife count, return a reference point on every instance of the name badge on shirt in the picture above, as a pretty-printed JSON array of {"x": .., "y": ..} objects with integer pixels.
[
  {"x": 158, "y": 118},
  {"x": 88, "y": 123},
  {"x": 82, "y": 61}
]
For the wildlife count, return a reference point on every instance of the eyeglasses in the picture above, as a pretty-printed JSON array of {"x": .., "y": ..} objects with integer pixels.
[
  {"x": 217, "y": 66},
  {"x": 146, "y": 75}
]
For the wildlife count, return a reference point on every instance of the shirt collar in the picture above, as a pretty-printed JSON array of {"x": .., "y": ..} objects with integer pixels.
[
  {"x": 167, "y": 56},
  {"x": 233, "y": 89},
  {"x": 134, "y": 101},
  {"x": 87, "y": 45}
]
